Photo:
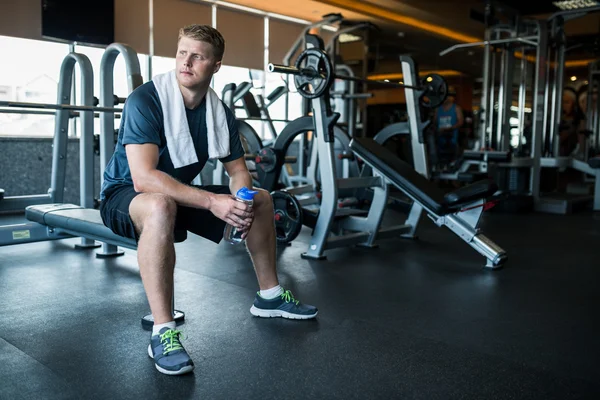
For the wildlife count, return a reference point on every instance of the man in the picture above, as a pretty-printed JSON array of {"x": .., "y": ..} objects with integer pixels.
[
  {"x": 448, "y": 118},
  {"x": 145, "y": 197}
]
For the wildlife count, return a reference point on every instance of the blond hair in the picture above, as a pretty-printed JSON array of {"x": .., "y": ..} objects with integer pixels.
[{"x": 205, "y": 33}]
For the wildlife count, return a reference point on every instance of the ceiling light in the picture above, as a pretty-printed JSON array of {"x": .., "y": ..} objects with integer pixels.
[
  {"x": 573, "y": 78},
  {"x": 348, "y": 38},
  {"x": 574, "y": 4},
  {"x": 329, "y": 28}
]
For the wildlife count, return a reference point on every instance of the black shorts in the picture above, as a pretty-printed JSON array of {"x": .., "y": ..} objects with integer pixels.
[{"x": 115, "y": 215}]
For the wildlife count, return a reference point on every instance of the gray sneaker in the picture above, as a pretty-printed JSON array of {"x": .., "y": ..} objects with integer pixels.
[
  {"x": 285, "y": 306},
  {"x": 169, "y": 355}
]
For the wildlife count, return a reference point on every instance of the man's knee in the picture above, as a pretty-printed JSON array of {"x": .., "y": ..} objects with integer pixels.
[
  {"x": 263, "y": 200},
  {"x": 154, "y": 209}
]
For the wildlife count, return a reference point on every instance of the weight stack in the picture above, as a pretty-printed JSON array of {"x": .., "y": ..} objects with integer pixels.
[{"x": 514, "y": 183}]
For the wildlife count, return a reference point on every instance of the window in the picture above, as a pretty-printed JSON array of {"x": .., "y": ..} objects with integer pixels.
[
  {"x": 120, "y": 83},
  {"x": 160, "y": 65},
  {"x": 277, "y": 110},
  {"x": 228, "y": 74},
  {"x": 30, "y": 73}
]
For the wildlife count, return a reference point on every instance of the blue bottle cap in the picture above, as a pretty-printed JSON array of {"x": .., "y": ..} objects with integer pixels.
[{"x": 246, "y": 194}]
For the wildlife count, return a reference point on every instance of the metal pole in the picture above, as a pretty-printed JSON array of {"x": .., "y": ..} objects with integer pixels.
[
  {"x": 73, "y": 92},
  {"x": 505, "y": 102},
  {"x": 502, "y": 94},
  {"x": 594, "y": 114},
  {"x": 351, "y": 102},
  {"x": 150, "y": 37},
  {"x": 86, "y": 142},
  {"x": 51, "y": 106},
  {"x": 556, "y": 112},
  {"x": 72, "y": 114},
  {"x": 420, "y": 160},
  {"x": 522, "y": 100},
  {"x": 134, "y": 79},
  {"x": 530, "y": 40},
  {"x": 491, "y": 102},
  {"x": 365, "y": 72},
  {"x": 547, "y": 139},
  {"x": 61, "y": 133},
  {"x": 483, "y": 111},
  {"x": 539, "y": 98}
]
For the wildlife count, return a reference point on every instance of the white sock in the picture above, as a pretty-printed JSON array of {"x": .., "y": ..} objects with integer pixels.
[
  {"x": 271, "y": 293},
  {"x": 156, "y": 328}
]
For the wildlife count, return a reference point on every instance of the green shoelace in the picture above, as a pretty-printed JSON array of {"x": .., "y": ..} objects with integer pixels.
[
  {"x": 288, "y": 297},
  {"x": 170, "y": 341}
]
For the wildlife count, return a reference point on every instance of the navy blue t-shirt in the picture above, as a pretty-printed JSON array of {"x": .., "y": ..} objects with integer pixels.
[{"x": 142, "y": 122}]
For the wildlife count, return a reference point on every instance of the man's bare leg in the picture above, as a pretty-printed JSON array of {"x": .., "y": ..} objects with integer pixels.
[
  {"x": 154, "y": 218},
  {"x": 261, "y": 244},
  {"x": 261, "y": 241}
]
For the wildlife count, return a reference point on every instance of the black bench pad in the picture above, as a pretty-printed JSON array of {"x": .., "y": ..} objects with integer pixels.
[
  {"x": 466, "y": 194},
  {"x": 85, "y": 222},
  {"x": 404, "y": 176}
]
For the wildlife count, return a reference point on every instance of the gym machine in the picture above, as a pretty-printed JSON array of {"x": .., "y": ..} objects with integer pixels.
[
  {"x": 256, "y": 106},
  {"x": 537, "y": 48},
  {"x": 334, "y": 227}
]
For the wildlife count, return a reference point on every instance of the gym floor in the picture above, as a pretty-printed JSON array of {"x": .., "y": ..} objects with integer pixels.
[{"x": 410, "y": 319}]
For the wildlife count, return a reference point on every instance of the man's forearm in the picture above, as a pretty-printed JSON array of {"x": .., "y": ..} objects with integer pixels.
[
  {"x": 239, "y": 180},
  {"x": 159, "y": 182}
]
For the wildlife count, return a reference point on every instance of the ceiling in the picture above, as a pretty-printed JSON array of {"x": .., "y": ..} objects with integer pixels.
[{"x": 424, "y": 28}]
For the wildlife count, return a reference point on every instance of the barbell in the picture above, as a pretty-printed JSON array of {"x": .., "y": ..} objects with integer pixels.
[{"x": 313, "y": 75}]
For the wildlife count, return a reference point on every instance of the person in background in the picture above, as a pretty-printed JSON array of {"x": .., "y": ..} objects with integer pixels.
[
  {"x": 571, "y": 140},
  {"x": 448, "y": 119}
]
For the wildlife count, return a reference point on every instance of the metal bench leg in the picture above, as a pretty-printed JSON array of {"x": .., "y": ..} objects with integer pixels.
[{"x": 109, "y": 250}]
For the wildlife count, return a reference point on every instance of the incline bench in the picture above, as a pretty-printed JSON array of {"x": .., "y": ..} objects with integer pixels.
[
  {"x": 459, "y": 210},
  {"x": 83, "y": 222}
]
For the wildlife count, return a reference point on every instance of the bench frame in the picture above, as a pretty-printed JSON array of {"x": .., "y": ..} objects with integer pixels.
[{"x": 461, "y": 215}]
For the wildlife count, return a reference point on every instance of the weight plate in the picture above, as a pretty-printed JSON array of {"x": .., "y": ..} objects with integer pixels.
[
  {"x": 435, "y": 91},
  {"x": 317, "y": 74},
  {"x": 288, "y": 216}
]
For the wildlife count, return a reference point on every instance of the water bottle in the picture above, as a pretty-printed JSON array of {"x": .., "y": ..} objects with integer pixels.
[{"x": 231, "y": 234}]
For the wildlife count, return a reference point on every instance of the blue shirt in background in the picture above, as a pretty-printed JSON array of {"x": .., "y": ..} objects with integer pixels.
[{"x": 445, "y": 119}]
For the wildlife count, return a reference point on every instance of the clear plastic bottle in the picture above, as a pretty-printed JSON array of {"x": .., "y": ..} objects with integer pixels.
[{"x": 231, "y": 234}]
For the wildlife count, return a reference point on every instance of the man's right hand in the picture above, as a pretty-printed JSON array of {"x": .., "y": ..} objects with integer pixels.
[{"x": 226, "y": 207}]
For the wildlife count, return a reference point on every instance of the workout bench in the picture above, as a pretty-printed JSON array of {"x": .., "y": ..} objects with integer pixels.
[
  {"x": 459, "y": 210},
  {"x": 70, "y": 219}
]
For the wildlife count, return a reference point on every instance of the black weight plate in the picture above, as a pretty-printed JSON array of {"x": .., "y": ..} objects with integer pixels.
[
  {"x": 318, "y": 75},
  {"x": 288, "y": 216},
  {"x": 435, "y": 91}
]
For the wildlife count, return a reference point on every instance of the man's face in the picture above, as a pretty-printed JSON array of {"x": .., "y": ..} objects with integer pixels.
[{"x": 195, "y": 63}]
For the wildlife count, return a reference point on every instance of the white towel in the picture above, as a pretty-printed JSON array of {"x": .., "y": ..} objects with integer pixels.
[{"x": 177, "y": 131}]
